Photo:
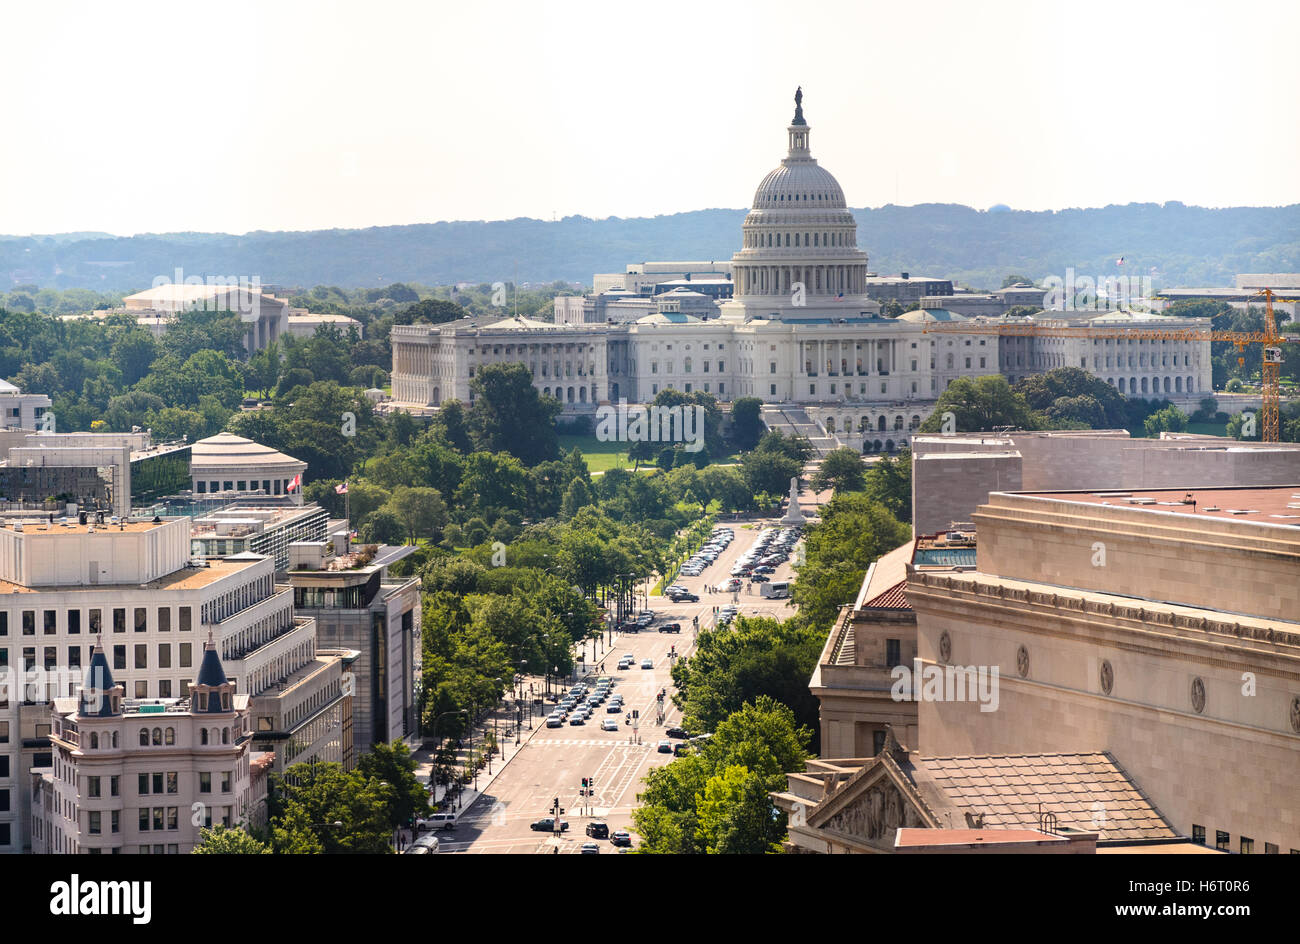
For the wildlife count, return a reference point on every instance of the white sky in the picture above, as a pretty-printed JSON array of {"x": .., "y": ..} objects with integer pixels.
[{"x": 233, "y": 116}]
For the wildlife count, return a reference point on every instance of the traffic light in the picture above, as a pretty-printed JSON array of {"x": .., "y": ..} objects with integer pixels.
[{"x": 584, "y": 783}]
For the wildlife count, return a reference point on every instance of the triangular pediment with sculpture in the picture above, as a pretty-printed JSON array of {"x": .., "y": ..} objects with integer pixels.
[{"x": 870, "y": 806}]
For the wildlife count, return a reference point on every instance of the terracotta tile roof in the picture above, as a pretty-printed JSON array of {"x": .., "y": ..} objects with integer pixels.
[
  {"x": 894, "y": 598},
  {"x": 1088, "y": 792}
]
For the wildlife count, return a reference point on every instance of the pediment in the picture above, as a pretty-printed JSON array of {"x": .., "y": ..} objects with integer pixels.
[{"x": 871, "y": 807}]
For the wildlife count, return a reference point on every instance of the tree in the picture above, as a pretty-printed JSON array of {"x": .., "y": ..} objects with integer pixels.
[
  {"x": 577, "y": 497},
  {"x": 394, "y": 764},
  {"x": 430, "y": 311},
  {"x": 491, "y": 484},
  {"x": 747, "y": 424},
  {"x": 853, "y": 531},
  {"x": 759, "y": 656},
  {"x": 982, "y": 404},
  {"x": 796, "y": 447},
  {"x": 134, "y": 351},
  {"x": 889, "y": 481},
  {"x": 842, "y": 470},
  {"x": 1170, "y": 419},
  {"x": 420, "y": 510},
  {"x": 1014, "y": 279},
  {"x": 382, "y": 526},
  {"x": 451, "y": 425},
  {"x": 766, "y": 471},
  {"x": 263, "y": 370},
  {"x": 222, "y": 840},
  {"x": 736, "y": 816},
  {"x": 309, "y": 799},
  {"x": 1071, "y": 394},
  {"x": 509, "y": 415}
]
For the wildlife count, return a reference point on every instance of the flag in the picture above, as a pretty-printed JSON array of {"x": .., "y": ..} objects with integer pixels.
[
  {"x": 341, "y": 489},
  {"x": 295, "y": 483},
  {"x": 1119, "y": 261}
]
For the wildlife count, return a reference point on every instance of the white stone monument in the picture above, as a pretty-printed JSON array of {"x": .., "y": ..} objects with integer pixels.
[{"x": 794, "y": 514}]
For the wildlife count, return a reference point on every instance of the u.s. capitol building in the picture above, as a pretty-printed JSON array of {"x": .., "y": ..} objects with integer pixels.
[{"x": 796, "y": 325}]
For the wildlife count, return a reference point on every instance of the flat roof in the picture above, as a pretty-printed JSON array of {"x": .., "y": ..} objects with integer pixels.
[
  {"x": 42, "y": 526},
  {"x": 909, "y": 837},
  {"x": 1273, "y": 504},
  {"x": 187, "y": 578}
]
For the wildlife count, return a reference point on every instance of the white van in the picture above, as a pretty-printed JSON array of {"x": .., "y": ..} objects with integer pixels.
[
  {"x": 436, "y": 821},
  {"x": 776, "y": 590}
]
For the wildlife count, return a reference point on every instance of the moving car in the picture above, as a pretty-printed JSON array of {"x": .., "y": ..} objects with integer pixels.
[
  {"x": 610, "y": 724},
  {"x": 589, "y": 848},
  {"x": 425, "y": 845},
  {"x": 677, "y": 732},
  {"x": 436, "y": 821},
  {"x": 685, "y": 598},
  {"x": 555, "y": 721},
  {"x": 670, "y": 628},
  {"x": 647, "y": 664},
  {"x": 665, "y": 747},
  {"x": 547, "y": 825},
  {"x": 598, "y": 830},
  {"x": 621, "y": 838}
]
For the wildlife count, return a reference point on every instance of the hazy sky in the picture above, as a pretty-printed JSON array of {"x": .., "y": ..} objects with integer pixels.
[{"x": 233, "y": 116}]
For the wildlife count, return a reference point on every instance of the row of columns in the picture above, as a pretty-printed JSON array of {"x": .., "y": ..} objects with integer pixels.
[
  {"x": 818, "y": 280},
  {"x": 842, "y": 354}
]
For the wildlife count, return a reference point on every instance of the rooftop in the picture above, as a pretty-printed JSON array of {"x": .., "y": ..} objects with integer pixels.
[
  {"x": 227, "y": 449},
  {"x": 187, "y": 578},
  {"x": 1278, "y": 504}
]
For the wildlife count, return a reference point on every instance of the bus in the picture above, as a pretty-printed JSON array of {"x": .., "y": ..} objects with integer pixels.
[{"x": 776, "y": 590}]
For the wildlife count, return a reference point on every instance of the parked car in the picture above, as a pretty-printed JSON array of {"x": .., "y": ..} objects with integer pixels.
[
  {"x": 598, "y": 830},
  {"x": 610, "y": 724}
]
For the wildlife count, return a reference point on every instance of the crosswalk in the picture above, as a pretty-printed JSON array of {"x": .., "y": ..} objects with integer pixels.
[{"x": 589, "y": 742}]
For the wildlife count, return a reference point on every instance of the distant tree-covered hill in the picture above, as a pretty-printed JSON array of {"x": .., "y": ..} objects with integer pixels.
[{"x": 1177, "y": 245}]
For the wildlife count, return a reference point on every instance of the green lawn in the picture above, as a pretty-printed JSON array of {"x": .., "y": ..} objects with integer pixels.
[{"x": 602, "y": 456}]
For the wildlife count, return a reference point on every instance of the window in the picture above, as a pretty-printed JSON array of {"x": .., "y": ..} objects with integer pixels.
[
  {"x": 157, "y": 783},
  {"x": 141, "y": 619},
  {"x": 114, "y": 783},
  {"x": 893, "y": 652},
  {"x": 94, "y": 819},
  {"x": 92, "y": 787},
  {"x": 1198, "y": 834},
  {"x": 4, "y": 623},
  {"x": 164, "y": 655},
  {"x": 184, "y": 654},
  {"x": 1247, "y": 845},
  {"x": 74, "y": 622},
  {"x": 142, "y": 688},
  {"x": 29, "y": 622},
  {"x": 225, "y": 781},
  {"x": 119, "y": 657},
  {"x": 164, "y": 619},
  {"x": 1270, "y": 848},
  {"x": 185, "y": 620},
  {"x": 142, "y": 657},
  {"x": 144, "y": 824},
  {"x": 172, "y": 778},
  {"x": 165, "y": 690},
  {"x": 96, "y": 622},
  {"x": 142, "y": 786},
  {"x": 1221, "y": 840},
  {"x": 4, "y": 732},
  {"x": 205, "y": 781},
  {"x": 119, "y": 621},
  {"x": 51, "y": 622}
]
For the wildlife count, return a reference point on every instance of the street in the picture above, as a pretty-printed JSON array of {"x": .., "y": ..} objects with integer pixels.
[{"x": 554, "y": 761}]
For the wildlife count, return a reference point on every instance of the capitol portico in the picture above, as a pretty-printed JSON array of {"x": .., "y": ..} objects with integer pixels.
[{"x": 799, "y": 328}]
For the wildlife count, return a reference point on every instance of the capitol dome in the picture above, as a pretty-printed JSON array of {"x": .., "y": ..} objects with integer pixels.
[
  {"x": 799, "y": 234},
  {"x": 799, "y": 184}
]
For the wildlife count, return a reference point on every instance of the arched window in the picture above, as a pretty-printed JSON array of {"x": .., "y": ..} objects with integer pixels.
[
  {"x": 94, "y": 740},
  {"x": 225, "y": 735},
  {"x": 170, "y": 736},
  {"x": 144, "y": 737},
  {"x": 115, "y": 739},
  {"x": 157, "y": 736},
  {"x": 203, "y": 736},
  {"x": 898, "y": 421}
]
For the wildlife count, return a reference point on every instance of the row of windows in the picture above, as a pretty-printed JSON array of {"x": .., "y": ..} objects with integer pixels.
[
  {"x": 764, "y": 240},
  {"x": 94, "y": 622},
  {"x": 687, "y": 366},
  {"x": 1223, "y": 842},
  {"x": 266, "y": 486},
  {"x": 654, "y": 388}
]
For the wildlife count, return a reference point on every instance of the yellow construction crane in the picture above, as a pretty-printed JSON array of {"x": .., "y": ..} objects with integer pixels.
[{"x": 1269, "y": 337}]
